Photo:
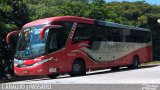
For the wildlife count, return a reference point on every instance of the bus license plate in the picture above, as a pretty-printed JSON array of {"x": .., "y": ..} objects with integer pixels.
[
  {"x": 25, "y": 72},
  {"x": 52, "y": 70}
]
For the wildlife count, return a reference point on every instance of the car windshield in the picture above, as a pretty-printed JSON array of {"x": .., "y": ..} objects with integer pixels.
[{"x": 29, "y": 43}]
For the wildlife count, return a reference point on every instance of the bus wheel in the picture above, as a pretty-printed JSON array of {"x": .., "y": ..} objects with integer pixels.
[
  {"x": 53, "y": 76},
  {"x": 135, "y": 63},
  {"x": 78, "y": 68}
]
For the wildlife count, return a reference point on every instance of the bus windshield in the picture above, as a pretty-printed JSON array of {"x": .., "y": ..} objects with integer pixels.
[
  {"x": 29, "y": 43},
  {"x": 31, "y": 46}
]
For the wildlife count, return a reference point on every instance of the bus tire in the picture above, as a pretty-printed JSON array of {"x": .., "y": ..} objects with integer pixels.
[
  {"x": 135, "y": 63},
  {"x": 78, "y": 68},
  {"x": 53, "y": 76}
]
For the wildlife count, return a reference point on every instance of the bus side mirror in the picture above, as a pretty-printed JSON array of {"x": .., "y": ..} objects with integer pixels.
[
  {"x": 42, "y": 32},
  {"x": 9, "y": 35}
]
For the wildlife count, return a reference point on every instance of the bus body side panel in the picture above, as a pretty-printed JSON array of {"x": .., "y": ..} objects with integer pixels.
[{"x": 78, "y": 51}]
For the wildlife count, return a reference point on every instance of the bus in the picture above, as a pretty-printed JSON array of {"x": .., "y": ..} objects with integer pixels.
[{"x": 75, "y": 45}]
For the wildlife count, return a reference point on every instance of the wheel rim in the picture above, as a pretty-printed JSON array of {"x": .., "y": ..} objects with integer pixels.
[{"x": 76, "y": 67}]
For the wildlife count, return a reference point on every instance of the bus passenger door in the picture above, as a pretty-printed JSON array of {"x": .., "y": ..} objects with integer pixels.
[{"x": 55, "y": 43}]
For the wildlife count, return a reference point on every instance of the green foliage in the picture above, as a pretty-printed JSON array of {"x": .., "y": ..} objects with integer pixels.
[
  {"x": 74, "y": 9},
  {"x": 44, "y": 8},
  {"x": 47, "y": 8},
  {"x": 98, "y": 10},
  {"x": 15, "y": 13}
]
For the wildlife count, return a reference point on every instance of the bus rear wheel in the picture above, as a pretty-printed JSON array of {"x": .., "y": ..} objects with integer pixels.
[
  {"x": 78, "y": 68},
  {"x": 135, "y": 63}
]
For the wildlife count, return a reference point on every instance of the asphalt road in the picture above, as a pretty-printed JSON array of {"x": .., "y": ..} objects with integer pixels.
[
  {"x": 142, "y": 75},
  {"x": 143, "y": 78}
]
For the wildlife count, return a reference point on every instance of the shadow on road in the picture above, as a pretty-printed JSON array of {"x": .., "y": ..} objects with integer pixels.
[
  {"x": 123, "y": 69},
  {"x": 39, "y": 78},
  {"x": 22, "y": 78}
]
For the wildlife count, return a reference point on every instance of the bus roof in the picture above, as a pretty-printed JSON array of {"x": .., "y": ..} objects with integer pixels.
[
  {"x": 112, "y": 24},
  {"x": 58, "y": 18},
  {"x": 80, "y": 19}
]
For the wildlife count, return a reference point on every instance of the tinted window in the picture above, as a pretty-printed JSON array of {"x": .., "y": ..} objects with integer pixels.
[
  {"x": 136, "y": 36},
  {"x": 58, "y": 36},
  {"x": 82, "y": 33},
  {"x": 147, "y": 37},
  {"x": 104, "y": 33},
  {"x": 99, "y": 34}
]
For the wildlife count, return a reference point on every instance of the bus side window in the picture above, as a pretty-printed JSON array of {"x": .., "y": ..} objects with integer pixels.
[
  {"x": 137, "y": 36},
  {"x": 126, "y": 35},
  {"x": 53, "y": 44},
  {"x": 97, "y": 33},
  {"x": 82, "y": 33},
  {"x": 53, "y": 41},
  {"x": 147, "y": 37},
  {"x": 113, "y": 34},
  {"x": 106, "y": 33},
  {"x": 117, "y": 37}
]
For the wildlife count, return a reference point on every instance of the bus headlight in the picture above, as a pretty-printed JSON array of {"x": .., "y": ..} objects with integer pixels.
[{"x": 18, "y": 62}]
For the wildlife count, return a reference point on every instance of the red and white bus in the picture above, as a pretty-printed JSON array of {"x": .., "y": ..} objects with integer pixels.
[{"x": 74, "y": 45}]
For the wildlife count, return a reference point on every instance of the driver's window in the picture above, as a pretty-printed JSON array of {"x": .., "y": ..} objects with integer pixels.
[
  {"x": 82, "y": 33},
  {"x": 53, "y": 41}
]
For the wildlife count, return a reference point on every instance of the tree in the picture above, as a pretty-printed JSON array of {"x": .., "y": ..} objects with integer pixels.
[{"x": 13, "y": 14}]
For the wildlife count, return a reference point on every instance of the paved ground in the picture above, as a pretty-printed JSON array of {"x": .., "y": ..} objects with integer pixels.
[{"x": 143, "y": 75}]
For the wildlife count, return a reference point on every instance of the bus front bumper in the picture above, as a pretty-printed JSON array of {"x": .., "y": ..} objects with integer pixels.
[{"x": 31, "y": 70}]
